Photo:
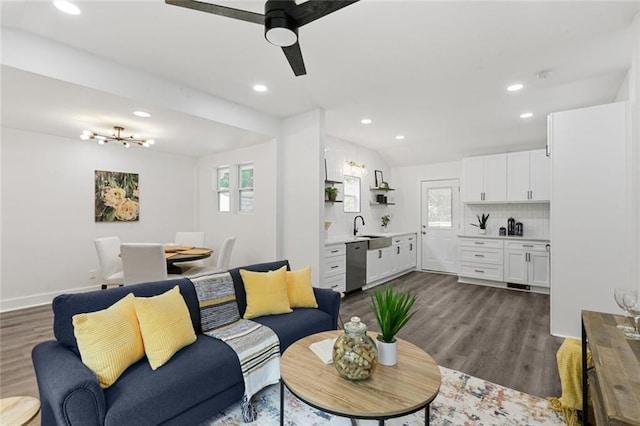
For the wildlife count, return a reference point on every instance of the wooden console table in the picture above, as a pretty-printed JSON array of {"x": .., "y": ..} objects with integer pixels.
[{"x": 615, "y": 379}]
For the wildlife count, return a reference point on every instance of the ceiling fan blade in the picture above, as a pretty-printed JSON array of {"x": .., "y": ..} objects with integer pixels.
[
  {"x": 311, "y": 10},
  {"x": 229, "y": 12},
  {"x": 294, "y": 56}
]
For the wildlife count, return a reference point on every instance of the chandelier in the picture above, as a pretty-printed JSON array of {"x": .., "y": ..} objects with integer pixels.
[{"x": 116, "y": 136}]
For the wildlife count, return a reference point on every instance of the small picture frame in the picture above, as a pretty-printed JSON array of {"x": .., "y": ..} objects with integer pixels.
[{"x": 379, "y": 178}]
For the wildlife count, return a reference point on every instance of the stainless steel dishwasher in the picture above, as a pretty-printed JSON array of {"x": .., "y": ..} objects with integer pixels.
[{"x": 356, "y": 265}]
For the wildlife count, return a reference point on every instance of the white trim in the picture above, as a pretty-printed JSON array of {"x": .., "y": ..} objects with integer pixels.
[{"x": 40, "y": 299}]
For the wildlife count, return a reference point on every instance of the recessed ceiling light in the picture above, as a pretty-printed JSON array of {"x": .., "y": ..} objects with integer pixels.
[
  {"x": 526, "y": 115},
  {"x": 400, "y": 137},
  {"x": 142, "y": 114},
  {"x": 260, "y": 88},
  {"x": 67, "y": 7},
  {"x": 515, "y": 87},
  {"x": 366, "y": 121}
]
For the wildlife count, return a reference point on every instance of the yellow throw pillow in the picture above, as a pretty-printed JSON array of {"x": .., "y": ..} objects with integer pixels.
[
  {"x": 300, "y": 290},
  {"x": 165, "y": 325},
  {"x": 266, "y": 292},
  {"x": 109, "y": 340}
]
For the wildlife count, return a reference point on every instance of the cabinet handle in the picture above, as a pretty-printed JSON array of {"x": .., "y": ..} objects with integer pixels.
[
  {"x": 479, "y": 242},
  {"x": 379, "y": 254},
  {"x": 398, "y": 252},
  {"x": 528, "y": 245},
  {"x": 410, "y": 246},
  {"x": 334, "y": 286},
  {"x": 335, "y": 266},
  {"x": 479, "y": 270},
  {"x": 335, "y": 251},
  {"x": 479, "y": 255}
]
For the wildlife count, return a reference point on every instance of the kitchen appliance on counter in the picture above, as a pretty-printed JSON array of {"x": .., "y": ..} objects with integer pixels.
[
  {"x": 519, "y": 229},
  {"x": 356, "y": 265},
  {"x": 511, "y": 226},
  {"x": 502, "y": 231}
]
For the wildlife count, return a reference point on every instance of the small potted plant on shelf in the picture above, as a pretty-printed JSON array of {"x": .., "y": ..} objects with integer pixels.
[
  {"x": 391, "y": 310},
  {"x": 385, "y": 220},
  {"x": 331, "y": 193},
  {"x": 384, "y": 185},
  {"x": 482, "y": 223}
]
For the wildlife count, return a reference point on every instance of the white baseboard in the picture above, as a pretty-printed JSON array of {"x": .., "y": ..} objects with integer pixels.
[{"x": 7, "y": 305}]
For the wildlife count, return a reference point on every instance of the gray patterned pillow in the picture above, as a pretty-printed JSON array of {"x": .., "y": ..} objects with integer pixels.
[{"x": 217, "y": 300}]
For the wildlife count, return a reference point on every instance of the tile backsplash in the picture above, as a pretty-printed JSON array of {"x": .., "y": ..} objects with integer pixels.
[{"x": 534, "y": 217}]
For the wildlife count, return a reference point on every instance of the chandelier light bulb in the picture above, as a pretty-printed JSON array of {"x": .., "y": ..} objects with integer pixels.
[
  {"x": 126, "y": 144},
  {"x": 151, "y": 141},
  {"x": 84, "y": 137},
  {"x": 101, "y": 142}
]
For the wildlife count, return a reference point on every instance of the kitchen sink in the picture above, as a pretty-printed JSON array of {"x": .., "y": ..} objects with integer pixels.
[{"x": 377, "y": 242}]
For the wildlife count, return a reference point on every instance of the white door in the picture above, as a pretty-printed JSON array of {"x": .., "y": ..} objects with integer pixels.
[{"x": 439, "y": 205}]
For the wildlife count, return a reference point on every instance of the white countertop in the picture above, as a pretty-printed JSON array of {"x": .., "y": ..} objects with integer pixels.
[
  {"x": 509, "y": 237},
  {"x": 351, "y": 238}
]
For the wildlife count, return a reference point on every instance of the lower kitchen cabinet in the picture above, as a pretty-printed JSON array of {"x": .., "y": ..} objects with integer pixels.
[
  {"x": 378, "y": 264},
  {"x": 390, "y": 262},
  {"x": 335, "y": 267},
  {"x": 526, "y": 263}
]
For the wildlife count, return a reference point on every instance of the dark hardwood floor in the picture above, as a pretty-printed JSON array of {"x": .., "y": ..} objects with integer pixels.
[{"x": 496, "y": 334}]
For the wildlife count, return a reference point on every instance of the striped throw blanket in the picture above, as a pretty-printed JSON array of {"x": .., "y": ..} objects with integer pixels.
[{"x": 256, "y": 345}]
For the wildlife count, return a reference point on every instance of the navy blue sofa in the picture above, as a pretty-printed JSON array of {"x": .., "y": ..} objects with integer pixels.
[{"x": 199, "y": 381}]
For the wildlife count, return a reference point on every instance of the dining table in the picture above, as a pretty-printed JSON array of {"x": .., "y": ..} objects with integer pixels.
[{"x": 177, "y": 254}]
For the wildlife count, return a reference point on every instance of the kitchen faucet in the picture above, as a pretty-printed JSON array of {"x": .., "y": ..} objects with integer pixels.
[{"x": 355, "y": 228}]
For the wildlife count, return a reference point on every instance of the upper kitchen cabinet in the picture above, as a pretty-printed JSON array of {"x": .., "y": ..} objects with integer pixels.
[
  {"x": 528, "y": 176},
  {"x": 484, "y": 179}
]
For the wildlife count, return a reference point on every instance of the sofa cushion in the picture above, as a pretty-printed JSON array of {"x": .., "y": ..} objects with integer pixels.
[
  {"x": 300, "y": 289},
  {"x": 238, "y": 284},
  {"x": 165, "y": 325},
  {"x": 300, "y": 323},
  {"x": 217, "y": 300},
  {"x": 109, "y": 340},
  {"x": 266, "y": 292},
  {"x": 198, "y": 372},
  {"x": 66, "y": 306}
]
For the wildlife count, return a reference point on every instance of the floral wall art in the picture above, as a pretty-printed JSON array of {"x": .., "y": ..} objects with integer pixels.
[{"x": 117, "y": 197}]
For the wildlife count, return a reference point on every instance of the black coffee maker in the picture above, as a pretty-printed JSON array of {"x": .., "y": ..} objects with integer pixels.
[
  {"x": 511, "y": 226},
  {"x": 519, "y": 229}
]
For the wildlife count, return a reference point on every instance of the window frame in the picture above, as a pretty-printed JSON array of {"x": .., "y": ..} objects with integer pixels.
[
  {"x": 346, "y": 195},
  {"x": 222, "y": 190},
  {"x": 242, "y": 189}
]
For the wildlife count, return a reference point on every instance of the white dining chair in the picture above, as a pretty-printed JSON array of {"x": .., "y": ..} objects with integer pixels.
[
  {"x": 108, "y": 251},
  {"x": 143, "y": 262},
  {"x": 224, "y": 260},
  {"x": 192, "y": 239}
]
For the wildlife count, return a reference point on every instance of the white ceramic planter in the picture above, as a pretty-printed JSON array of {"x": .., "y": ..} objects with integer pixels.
[
  {"x": 482, "y": 231},
  {"x": 387, "y": 353}
]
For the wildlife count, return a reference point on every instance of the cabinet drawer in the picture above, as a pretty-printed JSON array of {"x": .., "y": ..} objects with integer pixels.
[
  {"x": 525, "y": 245},
  {"x": 480, "y": 242},
  {"x": 472, "y": 254},
  {"x": 335, "y": 266},
  {"x": 485, "y": 272},
  {"x": 335, "y": 250},
  {"x": 336, "y": 283}
]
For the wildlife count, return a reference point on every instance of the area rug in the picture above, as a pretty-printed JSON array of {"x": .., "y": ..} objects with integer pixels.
[{"x": 463, "y": 400}]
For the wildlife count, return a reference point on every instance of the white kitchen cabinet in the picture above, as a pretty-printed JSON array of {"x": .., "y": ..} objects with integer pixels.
[
  {"x": 411, "y": 252},
  {"x": 335, "y": 267},
  {"x": 480, "y": 259},
  {"x": 484, "y": 179},
  {"x": 378, "y": 263},
  {"x": 526, "y": 263},
  {"x": 528, "y": 176}
]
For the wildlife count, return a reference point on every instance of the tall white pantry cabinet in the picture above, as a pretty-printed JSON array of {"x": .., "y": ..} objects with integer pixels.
[{"x": 589, "y": 212}]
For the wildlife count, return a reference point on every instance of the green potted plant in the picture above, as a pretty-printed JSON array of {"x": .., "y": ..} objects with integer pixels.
[
  {"x": 331, "y": 193},
  {"x": 385, "y": 220},
  {"x": 391, "y": 310},
  {"x": 482, "y": 223}
]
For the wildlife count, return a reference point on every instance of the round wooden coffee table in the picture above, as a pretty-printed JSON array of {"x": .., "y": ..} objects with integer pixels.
[
  {"x": 390, "y": 392},
  {"x": 18, "y": 410}
]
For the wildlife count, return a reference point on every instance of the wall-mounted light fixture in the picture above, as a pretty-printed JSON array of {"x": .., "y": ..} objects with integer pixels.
[
  {"x": 116, "y": 136},
  {"x": 352, "y": 168}
]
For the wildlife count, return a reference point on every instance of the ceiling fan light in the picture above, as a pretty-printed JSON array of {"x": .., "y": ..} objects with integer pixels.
[{"x": 281, "y": 36}]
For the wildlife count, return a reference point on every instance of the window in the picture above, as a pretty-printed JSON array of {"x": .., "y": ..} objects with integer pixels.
[
  {"x": 439, "y": 212},
  {"x": 351, "y": 194},
  {"x": 223, "y": 189},
  {"x": 245, "y": 187}
]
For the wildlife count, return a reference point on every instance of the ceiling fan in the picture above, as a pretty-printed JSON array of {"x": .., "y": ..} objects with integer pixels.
[{"x": 281, "y": 21}]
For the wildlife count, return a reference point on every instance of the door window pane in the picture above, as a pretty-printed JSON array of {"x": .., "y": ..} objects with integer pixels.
[
  {"x": 351, "y": 194},
  {"x": 439, "y": 202}
]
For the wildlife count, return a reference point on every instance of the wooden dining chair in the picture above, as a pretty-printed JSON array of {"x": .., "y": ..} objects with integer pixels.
[
  {"x": 143, "y": 262},
  {"x": 108, "y": 251}
]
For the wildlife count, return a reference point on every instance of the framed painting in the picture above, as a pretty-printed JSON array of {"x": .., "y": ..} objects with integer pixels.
[
  {"x": 379, "y": 178},
  {"x": 117, "y": 197}
]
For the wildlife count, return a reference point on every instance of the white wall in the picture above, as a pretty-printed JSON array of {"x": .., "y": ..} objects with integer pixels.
[
  {"x": 300, "y": 196},
  {"x": 255, "y": 232},
  {"x": 48, "y": 223},
  {"x": 338, "y": 151}
]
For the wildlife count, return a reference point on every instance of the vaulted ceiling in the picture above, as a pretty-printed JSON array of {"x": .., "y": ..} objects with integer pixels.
[{"x": 435, "y": 72}]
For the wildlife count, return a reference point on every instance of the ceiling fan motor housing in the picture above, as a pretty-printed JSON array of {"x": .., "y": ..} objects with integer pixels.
[{"x": 279, "y": 28}]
